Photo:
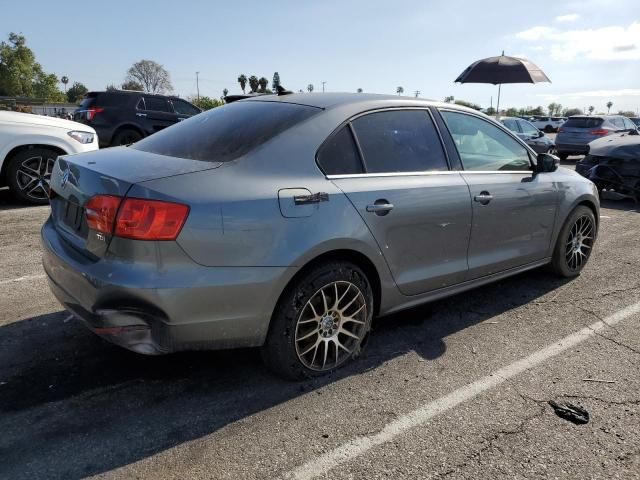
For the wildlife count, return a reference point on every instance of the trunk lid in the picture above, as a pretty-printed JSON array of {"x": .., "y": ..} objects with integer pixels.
[{"x": 75, "y": 179}]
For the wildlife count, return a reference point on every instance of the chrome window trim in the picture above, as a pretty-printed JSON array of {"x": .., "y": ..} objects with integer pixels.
[{"x": 422, "y": 174}]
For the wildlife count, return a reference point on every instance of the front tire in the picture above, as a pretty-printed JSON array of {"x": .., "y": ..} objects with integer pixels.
[
  {"x": 549, "y": 129},
  {"x": 30, "y": 173},
  {"x": 320, "y": 323},
  {"x": 575, "y": 243}
]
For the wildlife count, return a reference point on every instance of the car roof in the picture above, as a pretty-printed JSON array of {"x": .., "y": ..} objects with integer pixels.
[
  {"x": 331, "y": 100},
  {"x": 130, "y": 92}
]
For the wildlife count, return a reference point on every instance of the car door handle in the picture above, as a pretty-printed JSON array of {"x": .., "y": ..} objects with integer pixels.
[
  {"x": 380, "y": 207},
  {"x": 141, "y": 114},
  {"x": 484, "y": 198}
]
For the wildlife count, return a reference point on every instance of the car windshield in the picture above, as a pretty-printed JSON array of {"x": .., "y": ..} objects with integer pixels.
[{"x": 225, "y": 133}]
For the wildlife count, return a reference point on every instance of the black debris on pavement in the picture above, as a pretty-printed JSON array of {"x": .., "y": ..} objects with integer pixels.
[{"x": 570, "y": 412}]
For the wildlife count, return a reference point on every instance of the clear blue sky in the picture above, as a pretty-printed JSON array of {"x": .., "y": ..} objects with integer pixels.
[{"x": 590, "y": 49}]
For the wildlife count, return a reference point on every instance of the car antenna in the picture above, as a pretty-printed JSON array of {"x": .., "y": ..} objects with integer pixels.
[{"x": 280, "y": 90}]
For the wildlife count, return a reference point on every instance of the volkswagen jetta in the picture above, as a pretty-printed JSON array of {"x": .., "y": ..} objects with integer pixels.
[{"x": 290, "y": 221}]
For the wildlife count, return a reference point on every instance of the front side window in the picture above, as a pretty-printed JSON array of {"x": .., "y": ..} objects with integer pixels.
[
  {"x": 184, "y": 108},
  {"x": 399, "y": 141},
  {"x": 225, "y": 133},
  {"x": 528, "y": 128},
  {"x": 511, "y": 124},
  {"x": 483, "y": 146},
  {"x": 339, "y": 154}
]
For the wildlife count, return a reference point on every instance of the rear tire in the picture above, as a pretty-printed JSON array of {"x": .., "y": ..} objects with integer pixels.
[
  {"x": 29, "y": 174},
  {"x": 549, "y": 129},
  {"x": 575, "y": 243},
  {"x": 126, "y": 136},
  {"x": 320, "y": 323}
]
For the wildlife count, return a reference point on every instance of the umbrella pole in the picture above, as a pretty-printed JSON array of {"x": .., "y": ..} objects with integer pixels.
[{"x": 498, "y": 104}]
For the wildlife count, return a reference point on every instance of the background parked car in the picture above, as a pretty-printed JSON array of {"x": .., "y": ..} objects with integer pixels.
[
  {"x": 530, "y": 134},
  {"x": 548, "y": 124},
  {"x": 636, "y": 120},
  {"x": 578, "y": 131},
  {"x": 29, "y": 146},
  {"x": 122, "y": 117}
]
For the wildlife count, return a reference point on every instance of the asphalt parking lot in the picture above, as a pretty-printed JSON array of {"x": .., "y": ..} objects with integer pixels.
[{"x": 455, "y": 389}]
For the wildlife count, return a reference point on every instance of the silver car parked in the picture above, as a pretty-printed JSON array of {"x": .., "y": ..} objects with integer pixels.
[{"x": 290, "y": 221}]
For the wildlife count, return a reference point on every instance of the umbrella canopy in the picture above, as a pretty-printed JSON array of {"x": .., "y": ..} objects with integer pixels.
[{"x": 502, "y": 69}]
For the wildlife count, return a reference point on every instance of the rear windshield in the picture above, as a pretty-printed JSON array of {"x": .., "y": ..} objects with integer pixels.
[
  {"x": 583, "y": 122},
  {"x": 103, "y": 99},
  {"x": 225, "y": 133}
]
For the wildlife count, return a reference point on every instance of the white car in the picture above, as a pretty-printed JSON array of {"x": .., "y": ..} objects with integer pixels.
[
  {"x": 548, "y": 124},
  {"x": 29, "y": 146}
]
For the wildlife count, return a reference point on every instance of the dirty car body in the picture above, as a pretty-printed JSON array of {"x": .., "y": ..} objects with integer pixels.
[
  {"x": 318, "y": 180},
  {"x": 613, "y": 164}
]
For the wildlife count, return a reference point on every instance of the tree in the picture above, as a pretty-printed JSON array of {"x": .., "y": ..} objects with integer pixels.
[
  {"x": 490, "y": 111},
  {"x": 225, "y": 92},
  {"x": 205, "y": 103},
  {"x": 275, "y": 83},
  {"x": 76, "y": 92},
  {"x": 132, "y": 85},
  {"x": 151, "y": 75},
  {"x": 359, "y": 90},
  {"x": 449, "y": 99},
  {"x": 609, "y": 105},
  {"x": 464, "y": 103},
  {"x": 511, "y": 112},
  {"x": 242, "y": 80},
  {"x": 568, "y": 112},
  {"x": 310, "y": 87},
  {"x": 111, "y": 88},
  {"x": 591, "y": 109},
  {"x": 399, "y": 90},
  {"x": 263, "y": 82},
  {"x": 253, "y": 83},
  {"x": 626, "y": 113},
  {"x": 537, "y": 111},
  {"x": 21, "y": 75}
]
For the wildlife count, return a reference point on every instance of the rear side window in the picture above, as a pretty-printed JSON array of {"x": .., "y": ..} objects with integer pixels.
[
  {"x": 339, "y": 154},
  {"x": 583, "y": 122},
  {"x": 399, "y": 141},
  {"x": 157, "y": 104},
  {"x": 225, "y": 133},
  {"x": 103, "y": 99},
  {"x": 184, "y": 108}
]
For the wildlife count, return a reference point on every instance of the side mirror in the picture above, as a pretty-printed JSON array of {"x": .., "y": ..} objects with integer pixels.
[
  {"x": 547, "y": 163},
  {"x": 540, "y": 134}
]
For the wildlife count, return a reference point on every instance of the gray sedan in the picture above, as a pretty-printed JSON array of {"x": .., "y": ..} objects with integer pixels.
[
  {"x": 289, "y": 221},
  {"x": 533, "y": 137}
]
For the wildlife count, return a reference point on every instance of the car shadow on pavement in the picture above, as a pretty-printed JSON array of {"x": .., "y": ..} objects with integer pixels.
[
  {"x": 625, "y": 205},
  {"x": 72, "y": 405},
  {"x": 9, "y": 202}
]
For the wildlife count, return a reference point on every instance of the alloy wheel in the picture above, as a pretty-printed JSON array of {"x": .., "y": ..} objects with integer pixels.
[
  {"x": 33, "y": 176},
  {"x": 330, "y": 326},
  {"x": 579, "y": 243}
]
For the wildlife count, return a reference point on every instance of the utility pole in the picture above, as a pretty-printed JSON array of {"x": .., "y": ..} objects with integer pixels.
[
  {"x": 197, "y": 87},
  {"x": 323, "y": 86},
  {"x": 417, "y": 93}
]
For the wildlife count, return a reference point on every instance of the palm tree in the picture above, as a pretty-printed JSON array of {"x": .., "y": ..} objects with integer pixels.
[
  {"x": 399, "y": 90},
  {"x": 242, "y": 80},
  {"x": 359, "y": 90},
  {"x": 591, "y": 109},
  {"x": 65, "y": 80},
  {"x": 263, "y": 82},
  {"x": 609, "y": 105},
  {"x": 253, "y": 83},
  {"x": 225, "y": 92},
  {"x": 449, "y": 99},
  {"x": 310, "y": 87}
]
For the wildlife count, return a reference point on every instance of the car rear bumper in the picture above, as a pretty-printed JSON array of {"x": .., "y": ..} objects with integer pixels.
[
  {"x": 572, "y": 148},
  {"x": 206, "y": 308}
]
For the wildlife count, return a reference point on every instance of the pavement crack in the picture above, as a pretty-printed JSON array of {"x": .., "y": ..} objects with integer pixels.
[{"x": 606, "y": 337}]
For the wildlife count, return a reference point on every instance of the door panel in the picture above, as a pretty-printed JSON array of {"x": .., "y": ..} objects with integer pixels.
[
  {"x": 514, "y": 228},
  {"x": 425, "y": 235}
]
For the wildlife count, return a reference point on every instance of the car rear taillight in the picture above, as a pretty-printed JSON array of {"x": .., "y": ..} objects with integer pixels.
[
  {"x": 93, "y": 111},
  {"x": 136, "y": 218},
  {"x": 599, "y": 131},
  {"x": 101, "y": 211},
  {"x": 141, "y": 219}
]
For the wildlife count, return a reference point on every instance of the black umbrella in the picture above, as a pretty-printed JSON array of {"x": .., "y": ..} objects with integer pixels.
[{"x": 502, "y": 69}]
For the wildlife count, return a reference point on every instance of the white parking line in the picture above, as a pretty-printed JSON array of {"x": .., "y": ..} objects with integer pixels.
[
  {"x": 359, "y": 446},
  {"x": 22, "y": 279}
]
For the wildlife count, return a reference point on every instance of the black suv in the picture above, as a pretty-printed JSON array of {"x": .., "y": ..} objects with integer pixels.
[{"x": 122, "y": 117}]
